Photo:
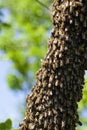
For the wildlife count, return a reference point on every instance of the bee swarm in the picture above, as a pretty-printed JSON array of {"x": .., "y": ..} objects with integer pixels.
[{"x": 52, "y": 105}]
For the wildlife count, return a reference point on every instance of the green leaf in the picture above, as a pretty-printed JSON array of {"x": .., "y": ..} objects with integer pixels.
[{"x": 7, "y": 125}]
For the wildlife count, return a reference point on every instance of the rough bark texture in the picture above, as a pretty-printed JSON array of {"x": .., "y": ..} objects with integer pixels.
[{"x": 52, "y": 104}]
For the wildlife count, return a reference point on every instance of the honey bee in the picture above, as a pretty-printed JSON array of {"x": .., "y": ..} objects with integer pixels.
[
  {"x": 49, "y": 113},
  {"x": 44, "y": 83},
  {"x": 39, "y": 83},
  {"x": 49, "y": 85},
  {"x": 37, "y": 100},
  {"x": 45, "y": 114},
  {"x": 45, "y": 124},
  {"x": 61, "y": 63},
  {"x": 37, "y": 113},
  {"x": 39, "y": 108},
  {"x": 60, "y": 55},
  {"x": 31, "y": 126},
  {"x": 41, "y": 117},
  {"x": 56, "y": 53},
  {"x": 78, "y": 4},
  {"x": 51, "y": 78},
  {"x": 55, "y": 41},
  {"x": 71, "y": 21},
  {"x": 56, "y": 128},
  {"x": 22, "y": 126},
  {"x": 61, "y": 85},
  {"x": 53, "y": 12},
  {"x": 63, "y": 123},
  {"x": 56, "y": 83}
]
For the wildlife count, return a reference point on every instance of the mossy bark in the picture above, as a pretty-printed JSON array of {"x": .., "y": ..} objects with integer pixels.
[{"x": 52, "y": 104}]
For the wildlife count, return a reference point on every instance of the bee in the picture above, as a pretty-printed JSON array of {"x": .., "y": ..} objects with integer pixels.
[
  {"x": 77, "y": 13},
  {"x": 44, "y": 74},
  {"x": 56, "y": 128},
  {"x": 31, "y": 118},
  {"x": 55, "y": 41},
  {"x": 78, "y": 4},
  {"x": 71, "y": 21},
  {"x": 59, "y": 43},
  {"x": 50, "y": 61},
  {"x": 53, "y": 12},
  {"x": 60, "y": 55},
  {"x": 56, "y": 53},
  {"x": 49, "y": 85},
  {"x": 41, "y": 117},
  {"x": 61, "y": 63},
  {"x": 59, "y": 73},
  {"x": 45, "y": 114},
  {"x": 66, "y": 29},
  {"x": 54, "y": 67},
  {"x": 63, "y": 123},
  {"x": 48, "y": 56},
  {"x": 54, "y": 47},
  {"x": 54, "y": 111},
  {"x": 37, "y": 113},
  {"x": 22, "y": 126},
  {"x": 61, "y": 85},
  {"x": 39, "y": 83},
  {"x": 56, "y": 76},
  {"x": 39, "y": 108},
  {"x": 56, "y": 83},
  {"x": 62, "y": 45},
  {"x": 38, "y": 100},
  {"x": 40, "y": 122},
  {"x": 50, "y": 93},
  {"x": 31, "y": 126},
  {"x": 44, "y": 83},
  {"x": 51, "y": 78},
  {"x": 67, "y": 61},
  {"x": 61, "y": 109},
  {"x": 49, "y": 113},
  {"x": 45, "y": 123}
]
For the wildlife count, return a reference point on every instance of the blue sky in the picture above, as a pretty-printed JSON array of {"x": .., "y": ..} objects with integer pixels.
[{"x": 10, "y": 101}]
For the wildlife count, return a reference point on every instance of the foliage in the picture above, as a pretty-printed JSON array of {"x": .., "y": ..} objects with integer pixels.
[
  {"x": 7, "y": 125},
  {"x": 24, "y": 39}
]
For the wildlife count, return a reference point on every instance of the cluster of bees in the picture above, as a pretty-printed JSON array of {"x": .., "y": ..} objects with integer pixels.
[{"x": 52, "y": 104}]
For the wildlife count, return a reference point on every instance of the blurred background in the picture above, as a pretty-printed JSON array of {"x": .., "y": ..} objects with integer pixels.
[{"x": 25, "y": 27}]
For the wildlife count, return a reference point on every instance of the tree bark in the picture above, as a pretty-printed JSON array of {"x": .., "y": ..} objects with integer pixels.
[{"x": 52, "y": 104}]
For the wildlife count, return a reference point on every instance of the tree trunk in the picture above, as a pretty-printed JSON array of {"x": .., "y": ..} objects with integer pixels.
[{"x": 52, "y": 105}]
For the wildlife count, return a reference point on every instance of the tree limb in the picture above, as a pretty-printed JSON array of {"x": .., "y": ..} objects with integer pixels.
[{"x": 43, "y": 4}]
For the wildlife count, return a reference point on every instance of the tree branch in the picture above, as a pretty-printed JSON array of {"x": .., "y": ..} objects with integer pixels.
[{"x": 43, "y": 4}]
